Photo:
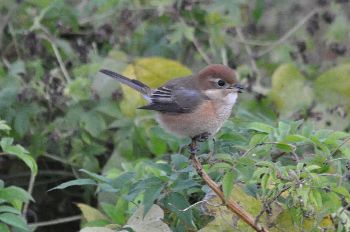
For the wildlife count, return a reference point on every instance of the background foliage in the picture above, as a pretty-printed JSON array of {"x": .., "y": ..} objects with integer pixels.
[{"x": 283, "y": 155}]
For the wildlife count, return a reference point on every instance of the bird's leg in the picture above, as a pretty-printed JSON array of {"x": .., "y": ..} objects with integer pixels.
[
  {"x": 198, "y": 138},
  {"x": 193, "y": 147},
  {"x": 202, "y": 137}
]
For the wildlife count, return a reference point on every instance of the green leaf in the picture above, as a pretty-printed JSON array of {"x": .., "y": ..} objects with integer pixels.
[
  {"x": 150, "y": 195},
  {"x": 227, "y": 184},
  {"x": 8, "y": 209},
  {"x": 4, "y": 126},
  {"x": 295, "y": 138},
  {"x": 98, "y": 178},
  {"x": 13, "y": 193},
  {"x": 4, "y": 228},
  {"x": 110, "y": 210},
  {"x": 78, "y": 182},
  {"x": 285, "y": 147},
  {"x": 20, "y": 152},
  {"x": 261, "y": 127},
  {"x": 93, "y": 123},
  {"x": 14, "y": 220},
  {"x": 258, "y": 10},
  {"x": 176, "y": 202},
  {"x": 183, "y": 184},
  {"x": 312, "y": 167}
]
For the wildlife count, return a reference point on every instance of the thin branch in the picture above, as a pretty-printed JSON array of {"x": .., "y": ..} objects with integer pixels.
[
  {"x": 195, "y": 204},
  {"x": 249, "y": 52},
  {"x": 257, "y": 87},
  {"x": 4, "y": 21},
  {"x": 30, "y": 191},
  {"x": 267, "y": 205},
  {"x": 47, "y": 36},
  {"x": 337, "y": 148},
  {"x": 256, "y": 43},
  {"x": 55, "y": 221},
  {"x": 288, "y": 33},
  {"x": 201, "y": 51},
  {"x": 231, "y": 205}
]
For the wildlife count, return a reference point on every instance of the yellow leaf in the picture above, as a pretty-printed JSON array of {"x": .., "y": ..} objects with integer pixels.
[
  {"x": 333, "y": 86},
  {"x": 90, "y": 213},
  {"x": 280, "y": 218},
  {"x": 152, "y": 221},
  {"x": 288, "y": 88},
  {"x": 153, "y": 71},
  {"x": 96, "y": 229}
]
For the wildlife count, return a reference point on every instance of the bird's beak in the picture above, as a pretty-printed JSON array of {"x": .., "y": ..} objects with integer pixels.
[{"x": 238, "y": 87}]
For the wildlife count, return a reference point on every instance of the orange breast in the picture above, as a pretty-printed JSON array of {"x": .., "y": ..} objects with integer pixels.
[{"x": 207, "y": 118}]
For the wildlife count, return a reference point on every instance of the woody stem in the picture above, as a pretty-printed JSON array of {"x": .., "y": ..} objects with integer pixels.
[{"x": 231, "y": 205}]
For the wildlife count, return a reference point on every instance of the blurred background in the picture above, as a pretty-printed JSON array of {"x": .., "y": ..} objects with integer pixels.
[{"x": 293, "y": 57}]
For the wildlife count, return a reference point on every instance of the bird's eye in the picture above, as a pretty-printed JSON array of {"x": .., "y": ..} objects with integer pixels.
[{"x": 221, "y": 83}]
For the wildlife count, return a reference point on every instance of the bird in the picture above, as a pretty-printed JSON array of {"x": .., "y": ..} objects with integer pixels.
[{"x": 195, "y": 106}]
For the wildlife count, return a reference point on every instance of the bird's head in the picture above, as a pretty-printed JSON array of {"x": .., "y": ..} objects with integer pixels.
[{"x": 219, "y": 81}]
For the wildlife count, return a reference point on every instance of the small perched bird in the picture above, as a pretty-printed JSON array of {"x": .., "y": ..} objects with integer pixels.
[{"x": 195, "y": 106}]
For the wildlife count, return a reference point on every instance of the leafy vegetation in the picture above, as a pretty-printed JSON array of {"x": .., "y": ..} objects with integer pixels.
[{"x": 284, "y": 155}]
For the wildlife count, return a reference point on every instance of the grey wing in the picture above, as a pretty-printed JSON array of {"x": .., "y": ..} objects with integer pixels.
[{"x": 181, "y": 100}]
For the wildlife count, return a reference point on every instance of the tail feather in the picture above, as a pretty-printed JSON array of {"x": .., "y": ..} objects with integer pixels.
[{"x": 135, "y": 84}]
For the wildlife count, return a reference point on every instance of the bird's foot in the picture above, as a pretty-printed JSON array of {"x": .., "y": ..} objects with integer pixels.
[
  {"x": 201, "y": 137},
  {"x": 193, "y": 148}
]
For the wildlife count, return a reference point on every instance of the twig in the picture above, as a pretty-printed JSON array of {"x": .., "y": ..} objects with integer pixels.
[
  {"x": 55, "y": 221},
  {"x": 231, "y": 205},
  {"x": 337, "y": 148},
  {"x": 59, "y": 59},
  {"x": 288, "y": 33},
  {"x": 249, "y": 52},
  {"x": 257, "y": 87},
  {"x": 267, "y": 205},
  {"x": 195, "y": 204},
  {"x": 4, "y": 21},
  {"x": 201, "y": 51},
  {"x": 30, "y": 191},
  {"x": 47, "y": 36}
]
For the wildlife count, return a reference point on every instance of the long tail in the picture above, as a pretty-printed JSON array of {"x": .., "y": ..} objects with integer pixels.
[{"x": 135, "y": 84}]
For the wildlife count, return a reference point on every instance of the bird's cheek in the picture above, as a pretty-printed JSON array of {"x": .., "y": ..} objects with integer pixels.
[{"x": 214, "y": 93}]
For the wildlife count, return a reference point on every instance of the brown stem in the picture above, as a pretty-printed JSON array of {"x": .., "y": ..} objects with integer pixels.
[{"x": 231, "y": 205}]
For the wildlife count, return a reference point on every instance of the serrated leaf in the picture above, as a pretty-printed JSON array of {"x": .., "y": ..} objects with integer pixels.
[{"x": 93, "y": 123}]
